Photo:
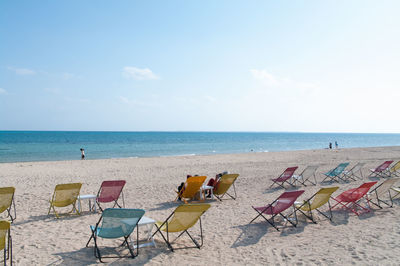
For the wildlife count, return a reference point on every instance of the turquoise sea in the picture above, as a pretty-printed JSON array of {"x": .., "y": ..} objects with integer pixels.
[{"x": 20, "y": 146}]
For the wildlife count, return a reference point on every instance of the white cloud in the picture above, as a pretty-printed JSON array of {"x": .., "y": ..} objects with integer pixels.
[
  {"x": 22, "y": 71},
  {"x": 67, "y": 75},
  {"x": 3, "y": 91},
  {"x": 283, "y": 85},
  {"x": 138, "y": 73}
]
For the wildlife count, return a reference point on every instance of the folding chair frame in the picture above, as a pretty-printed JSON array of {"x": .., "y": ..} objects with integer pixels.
[
  {"x": 354, "y": 205},
  {"x": 125, "y": 242},
  {"x": 382, "y": 173},
  {"x": 300, "y": 177},
  {"x": 349, "y": 174},
  {"x": 166, "y": 239},
  {"x": 281, "y": 184},
  {"x": 271, "y": 220},
  {"x": 310, "y": 215},
  {"x": 12, "y": 205},
  {"x": 226, "y": 193},
  {"x": 8, "y": 249},
  {"x": 333, "y": 178},
  {"x": 379, "y": 201},
  {"x": 115, "y": 201},
  {"x": 57, "y": 214}
]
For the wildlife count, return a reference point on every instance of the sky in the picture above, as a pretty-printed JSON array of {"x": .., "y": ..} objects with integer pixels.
[{"x": 297, "y": 66}]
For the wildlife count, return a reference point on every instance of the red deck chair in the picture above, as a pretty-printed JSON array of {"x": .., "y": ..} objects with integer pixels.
[
  {"x": 350, "y": 199},
  {"x": 284, "y": 202},
  {"x": 381, "y": 170},
  {"x": 285, "y": 177},
  {"x": 109, "y": 192}
]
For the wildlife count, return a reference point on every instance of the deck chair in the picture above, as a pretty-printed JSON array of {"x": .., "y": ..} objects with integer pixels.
[
  {"x": 181, "y": 219},
  {"x": 7, "y": 201},
  {"x": 116, "y": 223},
  {"x": 350, "y": 199},
  {"x": 306, "y": 175},
  {"x": 355, "y": 172},
  {"x": 191, "y": 188},
  {"x": 285, "y": 177},
  {"x": 381, "y": 170},
  {"x": 109, "y": 192},
  {"x": 282, "y": 203},
  {"x": 336, "y": 173},
  {"x": 376, "y": 195},
  {"x": 223, "y": 186},
  {"x": 394, "y": 170},
  {"x": 315, "y": 202},
  {"x": 6, "y": 241},
  {"x": 65, "y": 195}
]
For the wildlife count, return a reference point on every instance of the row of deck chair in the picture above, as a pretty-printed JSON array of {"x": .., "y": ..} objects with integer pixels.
[
  {"x": 349, "y": 199},
  {"x": 339, "y": 173},
  {"x": 193, "y": 185},
  {"x": 67, "y": 194}
]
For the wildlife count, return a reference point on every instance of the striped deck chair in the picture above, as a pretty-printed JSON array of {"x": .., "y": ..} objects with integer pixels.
[
  {"x": 376, "y": 195},
  {"x": 336, "y": 173},
  {"x": 223, "y": 185},
  {"x": 180, "y": 221},
  {"x": 5, "y": 240},
  {"x": 191, "y": 188},
  {"x": 350, "y": 199},
  {"x": 278, "y": 206},
  {"x": 381, "y": 170},
  {"x": 315, "y": 202},
  {"x": 65, "y": 195},
  {"x": 285, "y": 177},
  {"x": 116, "y": 223},
  {"x": 355, "y": 172},
  {"x": 306, "y": 175},
  {"x": 110, "y": 191},
  {"x": 7, "y": 202}
]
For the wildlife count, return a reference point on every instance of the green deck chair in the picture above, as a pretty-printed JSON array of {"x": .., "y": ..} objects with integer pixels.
[
  {"x": 223, "y": 186},
  {"x": 6, "y": 245},
  {"x": 315, "y": 202},
  {"x": 65, "y": 195},
  {"x": 184, "y": 217},
  {"x": 7, "y": 201},
  {"x": 116, "y": 223},
  {"x": 336, "y": 173}
]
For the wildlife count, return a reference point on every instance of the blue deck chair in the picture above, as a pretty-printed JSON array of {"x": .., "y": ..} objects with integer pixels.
[
  {"x": 336, "y": 173},
  {"x": 116, "y": 223}
]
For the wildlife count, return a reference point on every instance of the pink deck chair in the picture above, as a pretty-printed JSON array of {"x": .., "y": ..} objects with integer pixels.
[
  {"x": 350, "y": 199},
  {"x": 381, "y": 170},
  {"x": 285, "y": 177},
  {"x": 109, "y": 192},
  {"x": 282, "y": 203}
]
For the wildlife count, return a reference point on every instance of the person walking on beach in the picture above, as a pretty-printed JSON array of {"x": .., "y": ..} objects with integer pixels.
[
  {"x": 82, "y": 154},
  {"x": 336, "y": 145},
  {"x": 330, "y": 145}
]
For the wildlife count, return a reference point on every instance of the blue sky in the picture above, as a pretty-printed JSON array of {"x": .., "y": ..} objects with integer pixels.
[{"x": 311, "y": 66}]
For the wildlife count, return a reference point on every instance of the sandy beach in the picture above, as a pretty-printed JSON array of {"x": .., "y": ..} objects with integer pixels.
[{"x": 38, "y": 239}]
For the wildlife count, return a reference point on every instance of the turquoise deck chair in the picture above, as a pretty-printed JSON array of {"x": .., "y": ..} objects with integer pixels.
[
  {"x": 116, "y": 223},
  {"x": 336, "y": 173}
]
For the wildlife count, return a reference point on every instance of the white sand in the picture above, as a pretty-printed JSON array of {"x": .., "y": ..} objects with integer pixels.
[{"x": 38, "y": 239}]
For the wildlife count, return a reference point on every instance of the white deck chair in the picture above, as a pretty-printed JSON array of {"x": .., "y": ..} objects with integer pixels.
[{"x": 376, "y": 195}]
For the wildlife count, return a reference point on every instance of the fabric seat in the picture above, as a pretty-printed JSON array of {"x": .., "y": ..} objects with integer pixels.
[
  {"x": 285, "y": 177},
  {"x": 7, "y": 202},
  {"x": 116, "y": 223},
  {"x": 6, "y": 241},
  {"x": 110, "y": 191},
  {"x": 223, "y": 185},
  {"x": 191, "y": 188}
]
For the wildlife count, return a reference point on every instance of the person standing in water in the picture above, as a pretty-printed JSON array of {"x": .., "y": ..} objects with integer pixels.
[
  {"x": 82, "y": 154},
  {"x": 336, "y": 145}
]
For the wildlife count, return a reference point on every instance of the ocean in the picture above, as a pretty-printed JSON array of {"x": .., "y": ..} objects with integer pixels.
[{"x": 22, "y": 146}]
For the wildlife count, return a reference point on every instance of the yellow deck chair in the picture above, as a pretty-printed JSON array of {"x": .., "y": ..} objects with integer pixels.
[
  {"x": 65, "y": 195},
  {"x": 6, "y": 245},
  {"x": 318, "y": 200},
  {"x": 184, "y": 217},
  {"x": 394, "y": 170},
  {"x": 224, "y": 184},
  {"x": 7, "y": 201},
  {"x": 191, "y": 187}
]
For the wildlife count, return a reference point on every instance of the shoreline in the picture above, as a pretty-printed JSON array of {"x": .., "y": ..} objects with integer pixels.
[{"x": 195, "y": 155}]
